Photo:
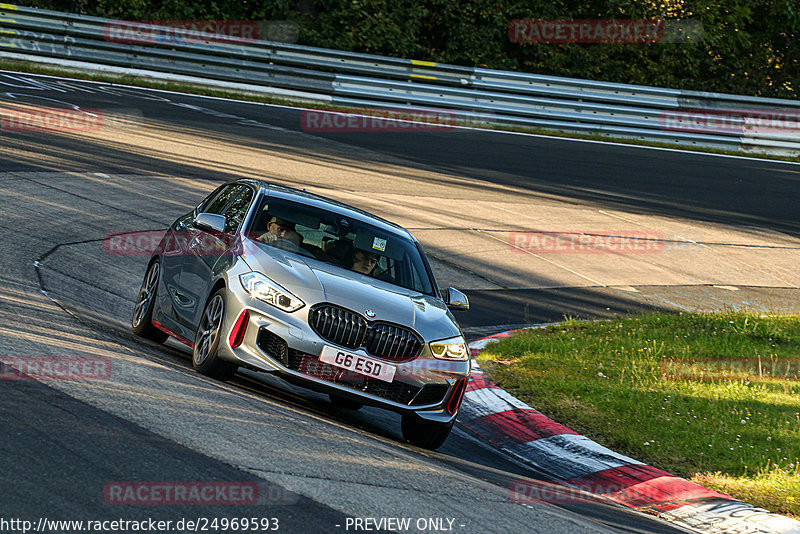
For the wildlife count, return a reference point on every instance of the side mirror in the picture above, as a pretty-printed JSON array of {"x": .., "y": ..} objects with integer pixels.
[
  {"x": 210, "y": 221},
  {"x": 455, "y": 299}
]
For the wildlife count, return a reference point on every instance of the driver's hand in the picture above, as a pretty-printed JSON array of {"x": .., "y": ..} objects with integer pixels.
[{"x": 267, "y": 237}]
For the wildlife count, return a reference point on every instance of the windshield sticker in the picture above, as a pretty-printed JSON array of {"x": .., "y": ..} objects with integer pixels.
[{"x": 379, "y": 244}]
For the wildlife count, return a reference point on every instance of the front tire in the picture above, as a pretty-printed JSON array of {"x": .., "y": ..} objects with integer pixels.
[
  {"x": 425, "y": 434},
  {"x": 205, "y": 358},
  {"x": 142, "y": 319}
]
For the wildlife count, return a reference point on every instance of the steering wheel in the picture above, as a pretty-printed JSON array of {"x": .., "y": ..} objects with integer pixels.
[
  {"x": 290, "y": 246},
  {"x": 286, "y": 244}
]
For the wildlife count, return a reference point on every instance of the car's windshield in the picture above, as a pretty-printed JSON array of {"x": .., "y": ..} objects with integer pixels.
[{"x": 341, "y": 241}]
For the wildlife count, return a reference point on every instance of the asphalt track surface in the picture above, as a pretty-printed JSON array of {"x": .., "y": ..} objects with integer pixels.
[
  {"x": 383, "y": 171},
  {"x": 155, "y": 419}
]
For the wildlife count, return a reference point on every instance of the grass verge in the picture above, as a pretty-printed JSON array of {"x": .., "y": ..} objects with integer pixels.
[
  {"x": 712, "y": 397},
  {"x": 206, "y": 90}
]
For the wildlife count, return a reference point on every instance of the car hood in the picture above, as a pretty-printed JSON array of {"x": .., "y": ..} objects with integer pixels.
[{"x": 314, "y": 281}]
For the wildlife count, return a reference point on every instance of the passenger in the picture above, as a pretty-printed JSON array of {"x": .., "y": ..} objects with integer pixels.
[{"x": 364, "y": 262}]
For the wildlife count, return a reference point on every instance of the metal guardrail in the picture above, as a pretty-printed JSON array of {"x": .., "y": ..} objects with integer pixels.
[{"x": 469, "y": 95}]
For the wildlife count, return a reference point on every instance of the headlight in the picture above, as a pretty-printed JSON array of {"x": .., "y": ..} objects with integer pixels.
[
  {"x": 262, "y": 288},
  {"x": 454, "y": 348}
]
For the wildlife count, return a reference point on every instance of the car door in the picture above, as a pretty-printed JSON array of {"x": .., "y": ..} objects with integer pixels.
[
  {"x": 173, "y": 255},
  {"x": 209, "y": 253}
]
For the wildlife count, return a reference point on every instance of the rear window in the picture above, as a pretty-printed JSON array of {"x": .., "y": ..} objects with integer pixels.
[{"x": 341, "y": 241}]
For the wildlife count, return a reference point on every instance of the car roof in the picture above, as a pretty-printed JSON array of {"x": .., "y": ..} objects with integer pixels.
[{"x": 329, "y": 204}]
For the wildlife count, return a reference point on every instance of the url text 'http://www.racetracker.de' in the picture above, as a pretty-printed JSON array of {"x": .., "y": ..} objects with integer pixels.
[{"x": 200, "y": 524}]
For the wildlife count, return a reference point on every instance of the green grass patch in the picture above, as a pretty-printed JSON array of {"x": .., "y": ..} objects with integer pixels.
[
  {"x": 772, "y": 488},
  {"x": 714, "y": 397}
]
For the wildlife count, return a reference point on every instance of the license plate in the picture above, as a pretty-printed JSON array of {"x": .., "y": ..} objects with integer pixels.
[{"x": 360, "y": 364}]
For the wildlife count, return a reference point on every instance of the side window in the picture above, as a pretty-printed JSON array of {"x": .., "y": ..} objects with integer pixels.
[
  {"x": 237, "y": 209},
  {"x": 206, "y": 201},
  {"x": 217, "y": 205}
]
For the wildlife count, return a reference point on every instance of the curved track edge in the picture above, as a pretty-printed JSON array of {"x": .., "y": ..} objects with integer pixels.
[{"x": 581, "y": 469}]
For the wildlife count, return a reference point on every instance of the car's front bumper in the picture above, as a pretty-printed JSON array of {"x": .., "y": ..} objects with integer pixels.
[{"x": 276, "y": 341}]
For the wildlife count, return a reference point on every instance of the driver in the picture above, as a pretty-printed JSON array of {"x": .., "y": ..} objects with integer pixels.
[{"x": 280, "y": 229}]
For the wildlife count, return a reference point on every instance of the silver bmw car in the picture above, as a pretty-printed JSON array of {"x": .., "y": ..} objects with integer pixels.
[{"x": 326, "y": 295}]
